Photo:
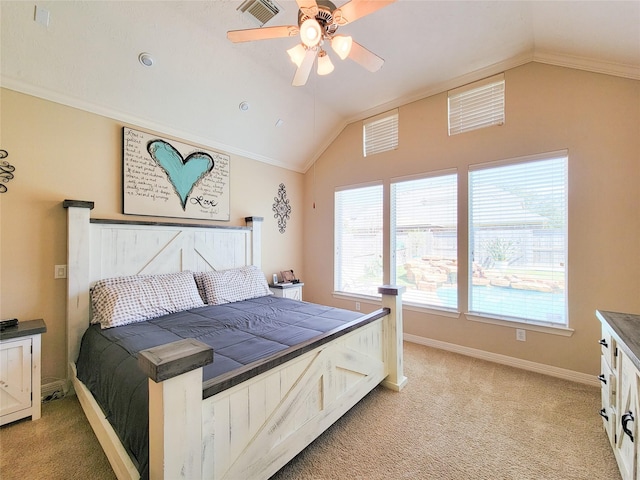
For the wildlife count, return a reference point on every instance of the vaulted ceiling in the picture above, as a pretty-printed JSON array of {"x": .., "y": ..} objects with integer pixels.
[{"x": 85, "y": 54}]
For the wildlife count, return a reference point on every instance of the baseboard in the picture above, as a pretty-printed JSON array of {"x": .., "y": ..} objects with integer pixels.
[
  {"x": 61, "y": 387},
  {"x": 506, "y": 360}
]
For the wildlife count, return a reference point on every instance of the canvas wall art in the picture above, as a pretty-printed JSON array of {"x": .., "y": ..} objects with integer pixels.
[{"x": 167, "y": 178}]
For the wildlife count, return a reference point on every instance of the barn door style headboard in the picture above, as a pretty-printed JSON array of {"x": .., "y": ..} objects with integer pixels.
[{"x": 98, "y": 249}]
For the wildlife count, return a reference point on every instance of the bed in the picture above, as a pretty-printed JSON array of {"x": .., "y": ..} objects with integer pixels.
[{"x": 213, "y": 413}]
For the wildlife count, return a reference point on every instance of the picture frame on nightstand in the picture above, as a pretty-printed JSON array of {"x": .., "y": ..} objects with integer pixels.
[{"x": 287, "y": 276}]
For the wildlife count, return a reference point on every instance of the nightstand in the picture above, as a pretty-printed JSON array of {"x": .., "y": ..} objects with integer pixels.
[
  {"x": 20, "y": 389},
  {"x": 287, "y": 290}
]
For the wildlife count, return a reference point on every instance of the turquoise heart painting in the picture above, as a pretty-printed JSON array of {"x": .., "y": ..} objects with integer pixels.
[{"x": 183, "y": 173}]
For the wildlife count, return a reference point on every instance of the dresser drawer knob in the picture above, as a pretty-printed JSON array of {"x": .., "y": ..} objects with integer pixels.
[
  {"x": 626, "y": 418},
  {"x": 602, "y": 378},
  {"x": 604, "y": 343},
  {"x": 603, "y": 414}
]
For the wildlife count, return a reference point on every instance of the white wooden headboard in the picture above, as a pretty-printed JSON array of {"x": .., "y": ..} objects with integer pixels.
[{"x": 98, "y": 249}]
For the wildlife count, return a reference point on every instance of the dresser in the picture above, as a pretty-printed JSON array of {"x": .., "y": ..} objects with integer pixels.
[
  {"x": 20, "y": 371},
  {"x": 287, "y": 290},
  {"x": 620, "y": 381}
]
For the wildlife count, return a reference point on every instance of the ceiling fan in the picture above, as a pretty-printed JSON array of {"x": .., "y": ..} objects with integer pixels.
[{"x": 318, "y": 22}]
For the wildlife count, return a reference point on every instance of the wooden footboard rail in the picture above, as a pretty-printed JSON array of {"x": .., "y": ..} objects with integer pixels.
[{"x": 255, "y": 427}]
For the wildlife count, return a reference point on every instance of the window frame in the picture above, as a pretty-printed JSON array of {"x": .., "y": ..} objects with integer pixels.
[
  {"x": 337, "y": 256},
  {"x": 380, "y": 133},
  {"x": 440, "y": 309},
  {"x": 521, "y": 322},
  {"x": 476, "y": 105},
  {"x": 387, "y": 251}
]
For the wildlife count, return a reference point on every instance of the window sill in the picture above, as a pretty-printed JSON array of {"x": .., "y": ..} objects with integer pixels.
[
  {"x": 377, "y": 300},
  {"x": 534, "y": 327},
  {"x": 413, "y": 307},
  {"x": 443, "y": 312}
]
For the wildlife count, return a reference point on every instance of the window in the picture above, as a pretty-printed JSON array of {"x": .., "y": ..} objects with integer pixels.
[
  {"x": 425, "y": 240},
  {"x": 478, "y": 105},
  {"x": 518, "y": 240},
  {"x": 358, "y": 240},
  {"x": 380, "y": 133}
]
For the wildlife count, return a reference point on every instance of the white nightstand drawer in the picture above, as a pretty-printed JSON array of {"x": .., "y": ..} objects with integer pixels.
[{"x": 287, "y": 290}]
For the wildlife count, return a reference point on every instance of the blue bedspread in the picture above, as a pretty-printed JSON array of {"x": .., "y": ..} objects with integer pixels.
[{"x": 240, "y": 333}]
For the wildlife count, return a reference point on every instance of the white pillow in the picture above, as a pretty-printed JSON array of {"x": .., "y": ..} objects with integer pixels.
[
  {"x": 234, "y": 285},
  {"x": 124, "y": 300}
]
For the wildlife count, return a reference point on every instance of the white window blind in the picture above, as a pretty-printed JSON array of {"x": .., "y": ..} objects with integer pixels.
[
  {"x": 358, "y": 240},
  {"x": 424, "y": 217},
  {"x": 380, "y": 133},
  {"x": 518, "y": 240},
  {"x": 478, "y": 105}
]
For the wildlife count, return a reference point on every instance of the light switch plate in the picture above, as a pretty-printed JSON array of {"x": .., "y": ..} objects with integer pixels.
[
  {"x": 60, "y": 271},
  {"x": 42, "y": 16}
]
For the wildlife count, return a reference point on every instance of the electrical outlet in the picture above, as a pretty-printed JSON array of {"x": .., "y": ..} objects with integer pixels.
[
  {"x": 521, "y": 335},
  {"x": 358, "y": 306},
  {"x": 60, "y": 271}
]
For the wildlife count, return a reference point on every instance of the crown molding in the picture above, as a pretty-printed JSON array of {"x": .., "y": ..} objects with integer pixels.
[
  {"x": 588, "y": 64},
  {"x": 561, "y": 60},
  {"x": 568, "y": 61},
  {"x": 419, "y": 95},
  {"x": 445, "y": 86},
  {"x": 132, "y": 120}
]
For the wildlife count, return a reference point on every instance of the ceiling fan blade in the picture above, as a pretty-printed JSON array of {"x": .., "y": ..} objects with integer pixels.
[
  {"x": 308, "y": 7},
  {"x": 263, "y": 33},
  {"x": 364, "y": 57},
  {"x": 302, "y": 74},
  {"x": 355, "y": 9}
]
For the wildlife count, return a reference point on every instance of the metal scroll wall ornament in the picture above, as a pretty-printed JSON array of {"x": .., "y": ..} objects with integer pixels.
[
  {"x": 6, "y": 171},
  {"x": 282, "y": 208}
]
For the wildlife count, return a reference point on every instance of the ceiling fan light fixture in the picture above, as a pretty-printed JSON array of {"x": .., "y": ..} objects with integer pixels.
[
  {"x": 310, "y": 32},
  {"x": 341, "y": 44},
  {"x": 297, "y": 53},
  {"x": 325, "y": 66}
]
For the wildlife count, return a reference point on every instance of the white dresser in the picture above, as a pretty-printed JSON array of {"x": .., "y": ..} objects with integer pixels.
[
  {"x": 620, "y": 380},
  {"x": 20, "y": 371}
]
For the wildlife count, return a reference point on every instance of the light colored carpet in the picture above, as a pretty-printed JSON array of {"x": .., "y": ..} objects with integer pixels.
[
  {"x": 60, "y": 445},
  {"x": 457, "y": 418}
]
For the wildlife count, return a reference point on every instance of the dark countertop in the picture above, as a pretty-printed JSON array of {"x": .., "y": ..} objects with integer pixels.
[
  {"x": 625, "y": 328},
  {"x": 23, "y": 329}
]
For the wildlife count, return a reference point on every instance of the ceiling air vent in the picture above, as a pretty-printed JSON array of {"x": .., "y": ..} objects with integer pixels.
[{"x": 261, "y": 10}]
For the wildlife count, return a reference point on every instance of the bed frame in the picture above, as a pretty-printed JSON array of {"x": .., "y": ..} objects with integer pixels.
[{"x": 255, "y": 423}]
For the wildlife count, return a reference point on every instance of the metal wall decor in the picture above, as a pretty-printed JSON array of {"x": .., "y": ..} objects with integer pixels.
[
  {"x": 6, "y": 171},
  {"x": 282, "y": 208}
]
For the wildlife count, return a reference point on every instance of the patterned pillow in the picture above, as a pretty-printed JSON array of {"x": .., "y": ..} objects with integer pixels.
[
  {"x": 234, "y": 285},
  {"x": 197, "y": 276},
  {"x": 124, "y": 300},
  {"x": 96, "y": 303}
]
